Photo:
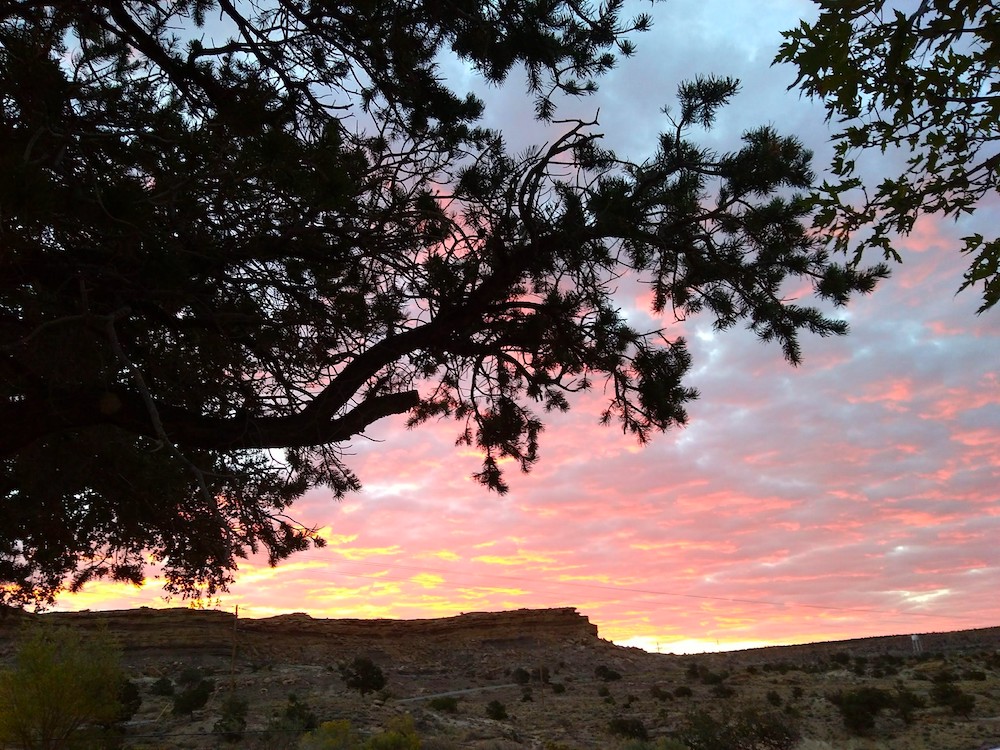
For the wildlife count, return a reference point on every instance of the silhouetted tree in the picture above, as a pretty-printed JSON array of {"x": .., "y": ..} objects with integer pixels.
[
  {"x": 922, "y": 77},
  {"x": 235, "y": 235}
]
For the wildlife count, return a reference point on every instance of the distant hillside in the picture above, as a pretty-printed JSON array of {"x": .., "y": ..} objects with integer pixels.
[{"x": 560, "y": 685}]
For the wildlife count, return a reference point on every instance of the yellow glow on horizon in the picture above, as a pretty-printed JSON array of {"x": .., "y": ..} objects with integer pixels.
[{"x": 674, "y": 645}]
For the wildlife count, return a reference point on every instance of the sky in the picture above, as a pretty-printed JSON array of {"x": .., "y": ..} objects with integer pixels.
[{"x": 854, "y": 495}]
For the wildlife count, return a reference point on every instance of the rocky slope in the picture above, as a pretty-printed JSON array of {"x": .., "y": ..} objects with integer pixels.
[{"x": 563, "y": 687}]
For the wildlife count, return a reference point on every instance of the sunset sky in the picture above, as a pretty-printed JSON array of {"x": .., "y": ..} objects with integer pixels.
[{"x": 854, "y": 495}]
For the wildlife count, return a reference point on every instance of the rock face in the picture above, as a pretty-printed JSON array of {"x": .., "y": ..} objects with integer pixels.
[{"x": 299, "y": 636}]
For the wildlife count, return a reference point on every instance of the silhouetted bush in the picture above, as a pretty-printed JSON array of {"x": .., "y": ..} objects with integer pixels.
[
  {"x": 951, "y": 695},
  {"x": 233, "y": 720},
  {"x": 162, "y": 686},
  {"x": 363, "y": 675},
  {"x": 558, "y": 688},
  {"x": 446, "y": 703},
  {"x": 683, "y": 691},
  {"x": 521, "y": 676},
  {"x": 712, "y": 678},
  {"x": 191, "y": 698},
  {"x": 659, "y": 693},
  {"x": 629, "y": 727},
  {"x": 606, "y": 673},
  {"x": 723, "y": 691},
  {"x": 749, "y": 729},
  {"x": 774, "y": 698},
  {"x": 540, "y": 674},
  {"x": 860, "y": 707},
  {"x": 496, "y": 710},
  {"x": 129, "y": 699},
  {"x": 906, "y": 701},
  {"x": 296, "y": 719},
  {"x": 190, "y": 676}
]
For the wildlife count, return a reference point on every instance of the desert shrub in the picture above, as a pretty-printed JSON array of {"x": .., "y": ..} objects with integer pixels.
[
  {"x": 193, "y": 697},
  {"x": 233, "y": 720},
  {"x": 129, "y": 699},
  {"x": 683, "y": 691},
  {"x": 723, "y": 691},
  {"x": 841, "y": 658},
  {"x": 753, "y": 728},
  {"x": 859, "y": 708},
  {"x": 977, "y": 675},
  {"x": 663, "y": 743},
  {"x": 521, "y": 676},
  {"x": 751, "y": 669},
  {"x": 163, "y": 686},
  {"x": 287, "y": 726},
  {"x": 331, "y": 735},
  {"x": 606, "y": 673},
  {"x": 780, "y": 667},
  {"x": 797, "y": 692},
  {"x": 540, "y": 674},
  {"x": 61, "y": 682},
  {"x": 400, "y": 735},
  {"x": 496, "y": 710},
  {"x": 693, "y": 671},
  {"x": 363, "y": 675},
  {"x": 659, "y": 693},
  {"x": 526, "y": 695},
  {"x": 906, "y": 702},
  {"x": 558, "y": 688},
  {"x": 944, "y": 675},
  {"x": 712, "y": 678},
  {"x": 951, "y": 695},
  {"x": 190, "y": 676},
  {"x": 628, "y": 726},
  {"x": 774, "y": 698},
  {"x": 446, "y": 703},
  {"x": 603, "y": 691}
]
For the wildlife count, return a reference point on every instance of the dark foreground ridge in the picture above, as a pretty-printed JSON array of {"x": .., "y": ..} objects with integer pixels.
[{"x": 559, "y": 684}]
